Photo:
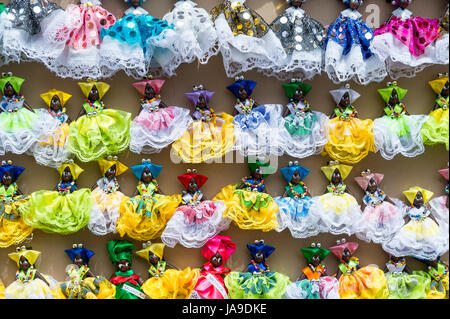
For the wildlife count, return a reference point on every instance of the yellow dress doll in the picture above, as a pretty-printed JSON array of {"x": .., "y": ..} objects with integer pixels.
[
  {"x": 166, "y": 283},
  {"x": 350, "y": 139},
  {"x": 248, "y": 204},
  {"x": 13, "y": 230},
  {"x": 210, "y": 136},
  {"x": 439, "y": 286},
  {"x": 107, "y": 197},
  {"x": 145, "y": 215},
  {"x": 29, "y": 283}
]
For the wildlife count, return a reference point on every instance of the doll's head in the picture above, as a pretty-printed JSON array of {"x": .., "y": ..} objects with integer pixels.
[
  {"x": 216, "y": 260},
  {"x": 153, "y": 253},
  {"x": 418, "y": 200},
  {"x": 218, "y": 250},
  {"x": 123, "y": 265},
  {"x": 394, "y": 258},
  {"x": 149, "y": 88},
  {"x": 55, "y": 99},
  {"x": 69, "y": 171},
  {"x": 369, "y": 181},
  {"x": 353, "y": 4},
  {"x": 445, "y": 89},
  {"x": 259, "y": 251},
  {"x": 345, "y": 100},
  {"x": 344, "y": 250},
  {"x": 55, "y": 103},
  {"x": 440, "y": 85},
  {"x": 315, "y": 254},
  {"x": 24, "y": 263},
  {"x": 9, "y": 173},
  {"x": 25, "y": 257},
  {"x": 7, "y": 179},
  {"x": 9, "y": 90},
  {"x": 66, "y": 176},
  {"x": 147, "y": 171},
  {"x": 111, "y": 172},
  {"x": 94, "y": 95},
  {"x": 296, "y": 3},
  {"x": 296, "y": 90},
  {"x": 402, "y": 4},
  {"x": 346, "y": 254},
  {"x": 336, "y": 178},
  {"x": 418, "y": 196},
  {"x": 393, "y": 99},
  {"x": 135, "y": 3},
  {"x": 120, "y": 253},
  {"x": 10, "y": 84},
  {"x": 201, "y": 102},
  {"x": 192, "y": 181},
  {"x": 149, "y": 92},
  {"x": 241, "y": 88},
  {"x": 146, "y": 176},
  {"x": 199, "y": 96},
  {"x": 294, "y": 173},
  {"x": 79, "y": 255}
]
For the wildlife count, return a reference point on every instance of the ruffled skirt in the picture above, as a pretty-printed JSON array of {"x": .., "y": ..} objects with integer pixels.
[
  {"x": 13, "y": 229},
  {"x": 35, "y": 289},
  {"x": 435, "y": 130},
  {"x": 366, "y": 283},
  {"x": 437, "y": 289},
  {"x": 210, "y": 286},
  {"x": 105, "y": 211},
  {"x": 90, "y": 288},
  {"x": 172, "y": 284},
  {"x": 440, "y": 210},
  {"x": 405, "y": 286},
  {"x": 325, "y": 288}
]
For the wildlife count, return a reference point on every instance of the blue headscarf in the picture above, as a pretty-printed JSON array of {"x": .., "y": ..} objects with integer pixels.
[
  {"x": 247, "y": 84},
  {"x": 14, "y": 171},
  {"x": 289, "y": 171},
  {"x": 85, "y": 253},
  {"x": 154, "y": 169},
  {"x": 259, "y": 246}
]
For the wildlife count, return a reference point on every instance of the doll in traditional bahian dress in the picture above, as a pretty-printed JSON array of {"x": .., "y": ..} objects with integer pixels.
[
  {"x": 144, "y": 216},
  {"x": 258, "y": 281},
  {"x": 210, "y": 284},
  {"x": 197, "y": 219},
  {"x": 355, "y": 281},
  {"x": 128, "y": 283},
  {"x": 63, "y": 211},
  {"x": 421, "y": 237},
  {"x": 157, "y": 125},
  {"x": 406, "y": 43},
  {"x": 51, "y": 148},
  {"x": 13, "y": 230},
  {"x": 397, "y": 132},
  {"x": 29, "y": 282},
  {"x": 382, "y": 216},
  {"x": 107, "y": 197},
  {"x": 303, "y": 132},
  {"x": 256, "y": 126},
  {"x": 437, "y": 272},
  {"x": 440, "y": 205},
  {"x": 435, "y": 130},
  {"x": 166, "y": 281},
  {"x": 314, "y": 281},
  {"x": 347, "y": 49},
  {"x": 83, "y": 284},
  {"x": 210, "y": 136},
  {"x": 245, "y": 39},
  {"x": 296, "y": 204},
  {"x": 338, "y": 210},
  {"x": 248, "y": 203},
  {"x": 98, "y": 131},
  {"x": 350, "y": 139}
]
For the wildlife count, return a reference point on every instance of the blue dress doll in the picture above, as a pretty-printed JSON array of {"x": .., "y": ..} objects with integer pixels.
[{"x": 295, "y": 210}]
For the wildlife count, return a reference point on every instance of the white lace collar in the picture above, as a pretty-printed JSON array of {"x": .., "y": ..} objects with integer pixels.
[
  {"x": 352, "y": 14},
  {"x": 402, "y": 13},
  {"x": 139, "y": 11}
]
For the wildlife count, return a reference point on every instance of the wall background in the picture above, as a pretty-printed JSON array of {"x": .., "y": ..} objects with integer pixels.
[{"x": 401, "y": 172}]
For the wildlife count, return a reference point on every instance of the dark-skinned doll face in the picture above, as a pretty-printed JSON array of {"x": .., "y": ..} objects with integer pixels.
[
  {"x": 257, "y": 174},
  {"x": 111, "y": 172},
  {"x": 418, "y": 200},
  {"x": 123, "y": 265},
  {"x": 7, "y": 179},
  {"x": 296, "y": 3},
  {"x": 149, "y": 92},
  {"x": 298, "y": 95},
  {"x": 135, "y": 3},
  {"x": 372, "y": 186},
  {"x": 192, "y": 187},
  {"x": 79, "y": 261},
  {"x": 346, "y": 254},
  {"x": 315, "y": 260},
  {"x": 216, "y": 260},
  {"x": 336, "y": 178},
  {"x": 24, "y": 264},
  {"x": 201, "y": 103},
  {"x": 354, "y": 4},
  {"x": 55, "y": 103},
  {"x": 146, "y": 176},
  {"x": 243, "y": 94},
  {"x": 345, "y": 100},
  {"x": 403, "y": 4},
  {"x": 94, "y": 95},
  {"x": 66, "y": 175},
  {"x": 259, "y": 257},
  {"x": 296, "y": 178},
  {"x": 152, "y": 258},
  {"x": 394, "y": 100},
  {"x": 395, "y": 259},
  {"x": 9, "y": 90},
  {"x": 445, "y": 90}
]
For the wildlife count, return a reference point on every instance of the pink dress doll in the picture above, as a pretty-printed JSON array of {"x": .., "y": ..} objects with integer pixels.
[
  {"x": 210, "y": 284},
  {"x": 157, "y": 125}
]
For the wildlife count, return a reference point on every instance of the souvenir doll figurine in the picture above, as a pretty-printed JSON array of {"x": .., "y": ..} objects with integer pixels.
[
  {"x": 13, "y": 230},
  {"x": 355, "y": 281},
  {"x": 29, "y": 282},
  {"x": 137, "y": 39},
  {"x": 398, "y": 132},
  {"x": 210, "y": 284},
  {"x": 256, "y": 126},
  {"x": 98, "y": 131},
  {"x": 440, "y": 205},
  {"x": 197, "y": 219},
  {"x": 258, "y": 282},
  {"x": 51, "y": 148},
  {"x": 197, "y": 37},
  {"x": 302, "y": 38},
  {"x": 128, "y": 284},
  {"x": 435, "y": 130},
  {"x": 304, "y": 132},
  {"x": 295, "y": 206},
  {"x": 248, "y": 203},
  {"x": 145, "y": 215},
  {"x": 338, "y": 210},
  {"x": 83, "y": 284},
  {"x": 347, "y": 49},
  {"x": 210, "y": 136},
  {"x": 245, "y": 39},
  {"x": 406, "y": 43},
  {"x": 402, "y": 282},
  {"x": 166, "y": 283},
  {"x": 382, "y": 218},
  {"x": 63, "y": 211},
  {"x": 157, "y": 125},
  {"x": 314, "y": 282},
  {"x": 421, "y": 237},
  {"x": 107, "y": 197},
  {"x": 438, "y": 274},
  {"x": 350, "y": 139}
]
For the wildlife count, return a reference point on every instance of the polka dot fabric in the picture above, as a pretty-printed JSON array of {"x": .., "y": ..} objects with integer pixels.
[{"x": 416, "y": 33}]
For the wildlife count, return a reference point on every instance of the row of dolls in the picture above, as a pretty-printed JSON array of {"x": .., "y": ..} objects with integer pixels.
[
  {"x": 420, "y": 229},
  {"x": 86, "y": 40},
  {"x": 215, "y": 281},
  {"x": 51, "y": 137}
]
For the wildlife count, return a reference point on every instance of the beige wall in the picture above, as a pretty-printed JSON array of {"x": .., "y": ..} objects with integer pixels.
[{"x": 401, "y": 172}]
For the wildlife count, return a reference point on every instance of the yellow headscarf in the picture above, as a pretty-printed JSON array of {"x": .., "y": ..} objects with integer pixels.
[
  {"x": 438, "y": 84},
  {"x": 30, "y": 255},
  {"x": 63, "y": 96},
  {"x": 412, "y": 192},
  {"x": 157, "y": 249},
  {"x": 343, "y": 169},
  {"x": 74, "y": 169},
  {"x": 106, "y": 164},
  {"x": 86, "y": 87}
]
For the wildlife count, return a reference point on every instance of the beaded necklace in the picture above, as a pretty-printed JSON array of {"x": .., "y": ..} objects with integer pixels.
[
  {"x": 158, "y": 270},
  {"x": 260, "y": 269},
  {"x": 400, "y": 263},
  {"x": 350, "y": 112},
  {"x": 66, "y": 188},
  {"x": 246, "y": 108},
  {"x": 392, "y": 111},
  {"x": 24, "y": 277},
  {"x": 251, "y": 185},
  {"x": 378, "y": 193},
  {"x": 444, "y": 101},
  {"x": 60, "y": 114},
  {"x": 15, "y": 98},
  {"x": 6, "y": 194},
  {"x": 194, "y": 198},
  {"x": 320, "y": 269},
  {"x": 417, "y": 216},
  {"x": 352, "y": 265},
  {"x": 147, "y": 101},
  {"x": 298, "y": 107},
  {"x": 95, "y": 105},
  {"x": 210, "y": 115},
  {"x": 108, "y": 188},
  {"x": 439, "y": 272},
  {"x": 337, "y": 189},
  {"x": 143, "y": 190},
  {"x": 296, "y": 194}
]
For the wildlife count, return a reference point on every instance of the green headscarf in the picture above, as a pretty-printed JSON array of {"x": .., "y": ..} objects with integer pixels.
[
  {"x": 120, "y": 249},
  {"x": 311, "y": 251},
  {"x": 253, "y": 165},
  {"x": 387, "y": 92},
  {"x": 15, "y": 81},
  {"x": 291, "y": 87}
]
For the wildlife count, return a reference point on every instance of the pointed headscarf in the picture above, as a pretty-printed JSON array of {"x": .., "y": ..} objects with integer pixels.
[
  {"x": 156, "y": 84},
  {"x": 29, "y": 254},
  {"x": 291, "y": 87},
  {"x": 219, "y": 244},
  {"x": 412, "y": 192},
  {"x": 106, "y": 164},
  {"x": 185, "y": 179},
  {"x": 364, "y": 180},
  {"x": 86, "y": 88},
  {"x": 15, "y": 81},
  {"x": 289, "y": 171},
  {"x": 338, "y": 94},
  {"x": 438, "y": 84},
  {"x": 139, "y": 169},
  {"x": 75, "y": 170},
  {"x": 339, "y": 249},
  {"x": 248, "y": 85},
  {"x": 387, "y": 92},
  {"x": 343, "y": 169},
  {"x": 48, "y": 96}
]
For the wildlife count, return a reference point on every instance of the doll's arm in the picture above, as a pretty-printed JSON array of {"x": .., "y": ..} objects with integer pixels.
[
  {"x": 39, "y": 276},
  {"x": 94, "y": 186},
  {"x": 338, "y": 273},
  {"x": 162, "y": 104},
  {"x": 286, "y": 112},
  {"x": 302, "y": 276},
  {"x": 82, "y": 112},
  {"x": 407, "y": 270},
  {"x": 348, "y": 190},
  {"x": 19, "y": 191},
  {"x": 89, "y": 273},
  {"x": 435, "y": 106},
  {"x": 25, "y": 104},
  {"x": 385, "y": 270},
  {"x": 363, "y": 206},
  {"x": 389, "y": 200},
  {"x": 140, "y": 281},
  {"x": 241, "y": 186},
  {"x": 68, "y": 120},
  {"x": 171, "y": 266},
  {"x": 285, "y": 194}
]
